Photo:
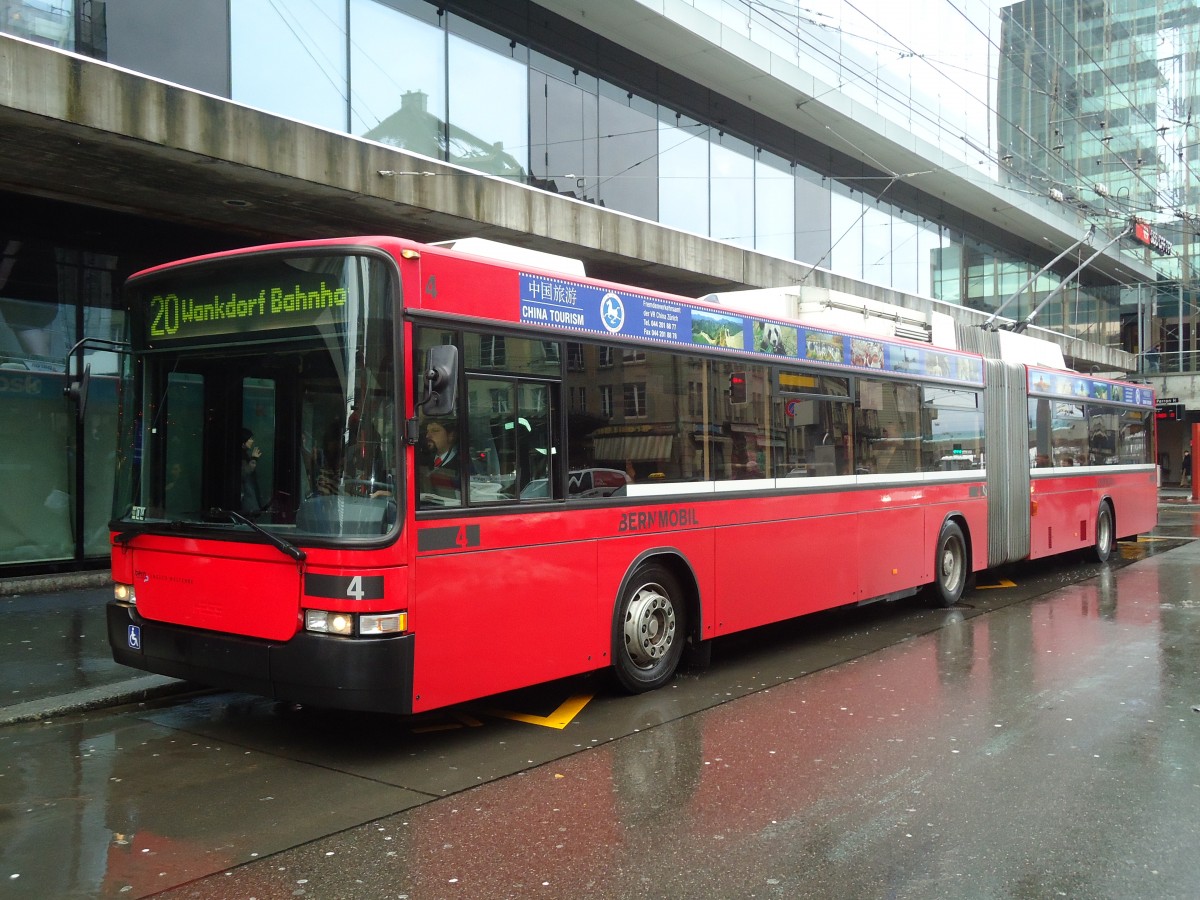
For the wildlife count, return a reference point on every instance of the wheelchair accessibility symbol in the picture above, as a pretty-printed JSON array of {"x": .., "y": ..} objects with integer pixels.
[{"x": 134, "y": 637}]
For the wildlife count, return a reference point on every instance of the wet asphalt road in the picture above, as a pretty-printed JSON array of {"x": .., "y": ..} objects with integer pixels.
[{"x": 1037, "y": 742}]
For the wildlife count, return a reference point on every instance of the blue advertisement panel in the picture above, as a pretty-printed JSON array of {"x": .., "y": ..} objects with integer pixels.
[
  {"x": 558, "y": 303},
  {"x": 583, "y": 308},
  {"x": 1069, "y": 386}
]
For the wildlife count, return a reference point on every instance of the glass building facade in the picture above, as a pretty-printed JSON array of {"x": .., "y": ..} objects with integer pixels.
[
  {"x": 61, "y": 271},
  {"x": 1099, "y": 105},
  {"x": 514, "y": 91}
]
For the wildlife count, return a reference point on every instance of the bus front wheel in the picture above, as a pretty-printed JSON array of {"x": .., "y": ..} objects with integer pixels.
[
  {"x": 649, "y": 630},
  {"x": 1103, "y": 547},
  {"x": 949, "y": 565}
]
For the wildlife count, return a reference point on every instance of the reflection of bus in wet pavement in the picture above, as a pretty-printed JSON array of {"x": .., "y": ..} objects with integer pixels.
[{"x": 953, "y": 759}]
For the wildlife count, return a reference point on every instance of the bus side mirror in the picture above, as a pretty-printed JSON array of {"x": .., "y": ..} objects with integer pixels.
[
  {"x": 77, "y": 391},
  {"x": 441, "y": 381}
]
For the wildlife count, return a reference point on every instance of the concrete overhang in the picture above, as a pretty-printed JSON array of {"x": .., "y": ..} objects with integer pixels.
[{"x": 90, "y": 133}]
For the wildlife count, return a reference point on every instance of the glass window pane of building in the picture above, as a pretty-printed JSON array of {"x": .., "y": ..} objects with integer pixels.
[
  {"x": 877, "y": 227},
  {"x": 683, "y": 186},
  {"x": 732, "y": 190},
  {"x": 904, "y": 251},
  {"x": 397, "y": 98},
  {"x": 628, "y": 153},
  {"x": 813, "y": 223},
  {"x": 846, "y": 230},
  {"x": 563, "y": 118},
  {"x": 488, "y": 127},
  {"x": 930, "y": 241},
  {"x": 291, "y": 59},
  {"x": 774, "y": 206},
  {"x": 51, "y": 23},
  {"x": 45, "y": 289},
  {"x": 161, "y": 39}
]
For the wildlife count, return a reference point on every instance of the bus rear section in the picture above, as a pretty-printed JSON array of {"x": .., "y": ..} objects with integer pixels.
[{"x": 1070, "y": 465}]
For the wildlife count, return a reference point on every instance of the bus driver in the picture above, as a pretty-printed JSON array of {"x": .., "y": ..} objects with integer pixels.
[{"x": 441, "y": 440}]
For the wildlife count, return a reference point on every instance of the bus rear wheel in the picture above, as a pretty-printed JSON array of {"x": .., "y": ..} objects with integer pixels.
[
  {"x": 949, "y": 566},
  {"x": 649, "y": 630},
  {"x": 1103, "y": 547}
]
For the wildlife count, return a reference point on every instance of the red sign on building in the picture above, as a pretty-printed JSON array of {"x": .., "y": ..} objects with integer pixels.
[{"x": 1144, "y": 234}]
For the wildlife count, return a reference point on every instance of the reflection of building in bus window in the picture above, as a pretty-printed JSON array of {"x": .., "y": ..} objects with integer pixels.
[
  {"x": 887, "y": 459},
  {"x": 888, "y": 454}
]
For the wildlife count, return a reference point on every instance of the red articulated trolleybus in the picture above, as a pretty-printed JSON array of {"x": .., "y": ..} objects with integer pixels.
[{"x": 373, "y": 474}]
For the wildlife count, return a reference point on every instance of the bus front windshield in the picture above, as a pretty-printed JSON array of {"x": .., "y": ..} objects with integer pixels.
[{"x": 262, "y": 390}]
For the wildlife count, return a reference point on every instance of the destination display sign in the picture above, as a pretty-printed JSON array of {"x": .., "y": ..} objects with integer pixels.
[
  {"x": 241, "y": 301},
  {"x": 574, "y": 306}
]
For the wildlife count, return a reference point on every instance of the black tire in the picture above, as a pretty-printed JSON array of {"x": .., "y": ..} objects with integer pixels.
[
  {"x": 649, "y": 630},
  {"x": 1105, "y": 540},
  {"x": 951, "y": 568}
]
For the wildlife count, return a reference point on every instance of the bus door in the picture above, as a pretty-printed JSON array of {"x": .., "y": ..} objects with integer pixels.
[
  {"x": 202, "y": 451},
  {"x": 212, "y": 453},
  {"x": 493, "y": 541}
]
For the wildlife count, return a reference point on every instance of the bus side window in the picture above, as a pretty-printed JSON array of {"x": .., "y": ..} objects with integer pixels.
[{"x": 510, "y": 446}]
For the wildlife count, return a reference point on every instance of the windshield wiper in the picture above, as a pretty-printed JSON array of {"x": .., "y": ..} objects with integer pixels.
[
  {"x": 290, "y": 549},
  {"x": 126, "y": 535}
]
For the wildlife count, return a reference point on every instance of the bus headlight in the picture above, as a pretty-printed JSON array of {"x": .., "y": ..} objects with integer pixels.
[
  {"x": 350, "y": 624},
  {"x": 383, "y": 623},
  {"x": 124, "y": 593},
  {"x": 325, "y": 622}
]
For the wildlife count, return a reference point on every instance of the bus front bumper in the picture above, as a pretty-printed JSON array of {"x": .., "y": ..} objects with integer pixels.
[{"x": 367, "y": 674}]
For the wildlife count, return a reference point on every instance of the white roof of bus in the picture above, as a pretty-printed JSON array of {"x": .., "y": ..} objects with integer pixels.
[
  {"x": 510, "y": 253},
  {"x": 833, "y": 309}
]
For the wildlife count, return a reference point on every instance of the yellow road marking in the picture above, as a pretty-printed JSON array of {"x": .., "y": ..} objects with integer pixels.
[
  {"x": 559, "y": 719},
  {"x": 1003, "y": 583}
]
